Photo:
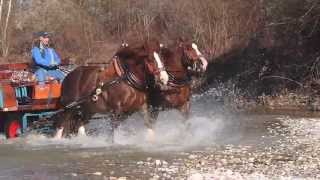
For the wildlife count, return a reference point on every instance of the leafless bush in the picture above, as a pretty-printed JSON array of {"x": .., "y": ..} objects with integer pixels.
[{"x": 218, "y": 26}]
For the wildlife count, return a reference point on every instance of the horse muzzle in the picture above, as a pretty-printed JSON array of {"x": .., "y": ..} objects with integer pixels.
[{"x": 164, "y": 77}]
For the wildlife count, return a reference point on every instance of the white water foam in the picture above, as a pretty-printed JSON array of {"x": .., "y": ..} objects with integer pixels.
[
  {"x": 204, "y": 126},
  {"x": 170, "y": 132}
]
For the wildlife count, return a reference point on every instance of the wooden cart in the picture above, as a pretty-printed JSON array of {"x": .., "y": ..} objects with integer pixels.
[{"x": 25, "y": 104}]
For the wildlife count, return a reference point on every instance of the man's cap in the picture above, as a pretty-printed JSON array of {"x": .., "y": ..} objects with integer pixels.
[{"x": 42, "y": 34}]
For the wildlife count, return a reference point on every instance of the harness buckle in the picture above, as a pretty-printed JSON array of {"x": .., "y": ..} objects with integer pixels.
[
  {"x": 94, "y": 98},
  {"x": 98, "y": 91}
]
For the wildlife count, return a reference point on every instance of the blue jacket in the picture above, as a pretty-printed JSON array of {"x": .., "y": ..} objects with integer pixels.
[{"x": 47, "y": 58}]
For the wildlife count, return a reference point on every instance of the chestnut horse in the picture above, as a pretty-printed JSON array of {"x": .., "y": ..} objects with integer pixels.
[
  {"x": 181, "y": 62},
  {"x": 119, "y": 89}
]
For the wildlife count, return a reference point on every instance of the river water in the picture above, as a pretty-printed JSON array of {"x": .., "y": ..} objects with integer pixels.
[{"x": 218, "y": 144}]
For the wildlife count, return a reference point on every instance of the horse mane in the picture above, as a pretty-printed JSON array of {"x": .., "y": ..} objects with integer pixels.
[
  {"x": 125, "y": 53},
  {"x": 167, "y": 54},
  {"x": 138, "y": 49}
]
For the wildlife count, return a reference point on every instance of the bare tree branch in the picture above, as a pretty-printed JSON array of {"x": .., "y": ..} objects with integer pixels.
[
  {"x": 5, "y": 44},
  {"x": 1, "y": 5}
]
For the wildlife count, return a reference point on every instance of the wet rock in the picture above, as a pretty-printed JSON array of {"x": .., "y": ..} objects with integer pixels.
[
  {"x": 251, "y": 160},
  {"x": 140, "y": 163},
  {"x": 164, "y": 163},
  {"x": 158, "y": 162},
  {"x": 192, "y": 156},
  {"x": 224, "y": 161},
  {"x": 155, "y": 177},
  {"x": 97, "y": 173},
  {"x": 196, "y": 176}
]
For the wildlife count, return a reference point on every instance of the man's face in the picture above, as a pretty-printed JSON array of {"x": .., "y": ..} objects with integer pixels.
[{"x": 44, "y": 40}]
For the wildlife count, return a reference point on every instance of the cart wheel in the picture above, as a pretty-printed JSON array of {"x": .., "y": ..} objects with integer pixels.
[{"x": 13, "y": 126}]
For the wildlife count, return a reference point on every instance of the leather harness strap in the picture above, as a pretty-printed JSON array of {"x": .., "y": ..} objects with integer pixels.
[
  {"x": 117, "y": 66},
  {"x": 122, "y": 74}
]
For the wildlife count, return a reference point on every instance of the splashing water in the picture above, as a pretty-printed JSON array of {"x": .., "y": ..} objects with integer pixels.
[
  {"x": 171, "y": 130},
  {"x": 190, "y": 150}
]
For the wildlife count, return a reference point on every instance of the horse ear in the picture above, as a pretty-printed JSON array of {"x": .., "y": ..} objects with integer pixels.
[
  {"x": 180, "y": 41},
  {"x": 124, "y": 44}
]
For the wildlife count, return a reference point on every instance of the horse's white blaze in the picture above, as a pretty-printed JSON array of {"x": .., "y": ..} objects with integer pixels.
[
  {"x": 203, "y": 60},
  {"x": 81, "y": 131},
  {"x": 204, "y": 63},
  {"x": 158, "y": 60},
  {"x": 58, "y": 134},
  {"x": 164, "y": 77}
]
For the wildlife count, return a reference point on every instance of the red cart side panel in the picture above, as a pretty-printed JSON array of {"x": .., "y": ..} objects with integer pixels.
[
  {"x": 15, "y": 66},
  {"x": 9, "y": 98},
  {"x": 5, "y": 75}
]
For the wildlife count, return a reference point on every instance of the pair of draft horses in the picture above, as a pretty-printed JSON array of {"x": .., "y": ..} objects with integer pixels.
[{"x": 142, "y": 77}]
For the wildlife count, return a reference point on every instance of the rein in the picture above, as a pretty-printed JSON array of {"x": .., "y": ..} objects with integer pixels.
[{"x": 93, "y": 95}]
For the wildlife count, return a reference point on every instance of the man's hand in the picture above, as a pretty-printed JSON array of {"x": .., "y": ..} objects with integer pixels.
[{"x": 53, "y": 66}]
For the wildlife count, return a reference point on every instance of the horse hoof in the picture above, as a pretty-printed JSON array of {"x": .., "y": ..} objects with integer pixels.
[
  {"x": 82, "y": 131},
  {"x": 58, "y": 134},
  {"x": 150, "y": 135}
]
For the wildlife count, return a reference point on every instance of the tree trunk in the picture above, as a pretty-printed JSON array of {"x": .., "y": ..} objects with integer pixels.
[
  {"x": 5, "y": 42},
  {"x": 1, "y": 4}
]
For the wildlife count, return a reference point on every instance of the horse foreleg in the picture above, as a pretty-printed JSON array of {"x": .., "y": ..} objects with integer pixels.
[
  {"x": 59, "y": 133},
  {"x": 63, "y": 124},
  {"x": 82, "y": 131},
  {"x": 82, "y": 119},
  {"x": 154, "y": 115},
  {"x": 185, "y": 110},
  {"x": 148, "y": 122},
  {"x": 115, "y": 123}
]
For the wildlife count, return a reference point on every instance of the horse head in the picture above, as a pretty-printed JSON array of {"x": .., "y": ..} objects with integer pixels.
[
  {"x": 154, "y": 63},
  {"x": 147, "y": 52},
  {"x": 192, "y": 57}
]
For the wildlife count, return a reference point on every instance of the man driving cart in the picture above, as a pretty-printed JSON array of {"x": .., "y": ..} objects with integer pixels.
[{"x": 46, "y": 59}]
